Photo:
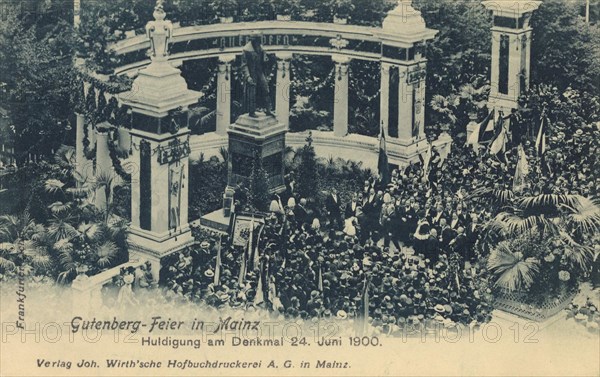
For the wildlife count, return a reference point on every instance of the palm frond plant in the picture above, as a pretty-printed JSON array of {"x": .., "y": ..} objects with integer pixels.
[
  {"x": 106, "y": 253},
  {"x": 513, "y": 270},
  {"x": 553, "y": 235},
  {"x": 8, "y": 256},
  {"x": 105, "y": 184}
]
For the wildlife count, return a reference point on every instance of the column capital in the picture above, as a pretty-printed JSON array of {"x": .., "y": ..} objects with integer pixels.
[
  {"x": 224, "y": 67},
  {"x": 341, "y": 71},
  {"x": 226, "y": 59},
  {"x": 340, "y": 59},
  {"x": 385, "y": 67},
  {"x": 284, "y": 55},
  {"x": 283, "y": 63}
]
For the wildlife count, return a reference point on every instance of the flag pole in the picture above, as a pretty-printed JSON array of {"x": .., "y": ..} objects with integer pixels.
[{"x": 218, "y": 263}]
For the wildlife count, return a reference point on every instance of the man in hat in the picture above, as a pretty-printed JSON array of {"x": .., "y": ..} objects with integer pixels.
[{"x": 256, "y": 86}]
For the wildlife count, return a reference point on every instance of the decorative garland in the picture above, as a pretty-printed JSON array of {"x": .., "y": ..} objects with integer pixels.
[
  {"x": 122, "y": 117},
  {"x": 110, "y": 111},
  {"x": 114, "y": 85},
  {"x": 114, "y": 156},
  {"x": 175, "y": 116},
  {"x": 145, "y": 185},
  {"x": 89, "y": 115},
  {"x": 101, "y": 111},
  {"x": 79, "y": 98}
]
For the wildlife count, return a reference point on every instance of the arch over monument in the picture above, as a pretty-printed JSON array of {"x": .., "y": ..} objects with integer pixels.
[{"x": 397, "y": 45}]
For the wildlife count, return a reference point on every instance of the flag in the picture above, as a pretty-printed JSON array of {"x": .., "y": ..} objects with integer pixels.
[
  {"x": 320, "y": 279},
  {"x": 218, "y": 264},
  {"x": 540, "y": 142},
  {"x": 444, "y": 151},
  {"x": 256, "y": 260},
  {"x": 491, "y": 129},
  {"x": 273, "y": 294},
  {"x": 251, "y": 241},
  {"x": 427, "y": 162},
  {"x": 499, "y": 142},
  {"x": 242, "y": 269},
  {"x": 366, "y": 304},
  {"x": 382, "y": 164},
  {"x": 259, "y": 297},
  {"x": 522, "y": 169},
  {"x": 482, "y": 131}
]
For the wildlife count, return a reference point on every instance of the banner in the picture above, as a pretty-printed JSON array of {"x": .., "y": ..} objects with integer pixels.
[{"x": 175, "y": 180}]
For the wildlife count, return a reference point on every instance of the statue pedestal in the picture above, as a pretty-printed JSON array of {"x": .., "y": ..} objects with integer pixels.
[{"x": 262, "y": 137}]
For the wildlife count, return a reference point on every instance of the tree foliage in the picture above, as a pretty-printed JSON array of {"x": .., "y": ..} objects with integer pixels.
[
  {"x": 565, "y": 50},
  {"x": 36, "y": 82}
]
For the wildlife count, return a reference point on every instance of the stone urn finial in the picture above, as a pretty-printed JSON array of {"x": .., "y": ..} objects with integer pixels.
[
  {"x": 159, "y": 32},
  {"x": 159, "y": 11}
]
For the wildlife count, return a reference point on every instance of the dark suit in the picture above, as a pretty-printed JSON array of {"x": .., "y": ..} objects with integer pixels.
[
  {"x": 448, "y": 234},
  {"x": 333, "y": 207},
  {"x": 459, "y": 245},
  {"x": 351, "y": 209},
  {"x": 431, "y": 248},
  {"x": 301, "y": 215}
]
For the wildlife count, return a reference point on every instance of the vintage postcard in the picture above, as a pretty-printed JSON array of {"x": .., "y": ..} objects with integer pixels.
[{"x": 299, "y": 188}]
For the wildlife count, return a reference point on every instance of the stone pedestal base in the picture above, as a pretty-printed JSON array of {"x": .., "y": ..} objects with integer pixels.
[
  {"x": 504, "y": 103},
  {"x": 153, "y": 247},
  {"x": 402, "y": 152},
  {"x": 261, "y": 138},
  {"x": 217, "y": 220}
]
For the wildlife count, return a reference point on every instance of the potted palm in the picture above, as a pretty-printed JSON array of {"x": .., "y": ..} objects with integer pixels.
[{"x": 542, "y": 249}]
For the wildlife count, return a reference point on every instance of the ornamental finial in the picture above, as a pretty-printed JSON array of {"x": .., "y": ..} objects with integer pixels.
[
  {"x": 159, "y": 11},
  {"x": 159, "y": 32}
]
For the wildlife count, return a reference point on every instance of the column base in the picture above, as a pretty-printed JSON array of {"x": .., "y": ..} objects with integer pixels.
[
  {"x": 153, "y": 247},
  {"x": 216, "y": 221},
  {"x": 503, "y": 103},
  {"x": 402, "y": 152}
]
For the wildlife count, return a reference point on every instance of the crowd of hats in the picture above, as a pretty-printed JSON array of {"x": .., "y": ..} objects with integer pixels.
[
  {"x": 320, "y": 266},
  {"x": 309, "y": 276}
]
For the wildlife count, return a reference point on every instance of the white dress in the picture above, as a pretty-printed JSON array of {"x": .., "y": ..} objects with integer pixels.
[{"x": 126, "y": 296}]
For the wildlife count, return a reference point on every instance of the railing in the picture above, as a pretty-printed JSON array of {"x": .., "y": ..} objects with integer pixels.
[
  {"x": 516, "y": 303},
  {"x": 87, "y": 291},
  {"x": 351, "y": 147}
]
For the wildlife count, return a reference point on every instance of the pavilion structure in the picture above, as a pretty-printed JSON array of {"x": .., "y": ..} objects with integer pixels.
[{"x": 159, "y": 101}]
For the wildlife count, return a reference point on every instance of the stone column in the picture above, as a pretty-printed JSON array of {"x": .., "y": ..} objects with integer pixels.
[
  {"x": 511, "y": 21},
  {"x": 495, "y": 68},
  {"x": 80, "y": 159},
  {"x": 282, "y": 88},
  {"x": 224, "y": 94},
  {"x": 514, "y": 67},
  {"x": 91, "y": 135},
  {"x": 384, "y": 97},
  {"x": 419, "y": 107},
  {"x": 527, "y": 62},
  {"x": 124, "y": 139},
  {"x": 135, "y": 158},
  {"x": 405, "y": 106},
  {"x": 340, "y": 106},
  {"x": 103, "y": 164}
]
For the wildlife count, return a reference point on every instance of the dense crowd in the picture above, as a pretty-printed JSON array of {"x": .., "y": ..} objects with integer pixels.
[{"x": 399, "y": 252}]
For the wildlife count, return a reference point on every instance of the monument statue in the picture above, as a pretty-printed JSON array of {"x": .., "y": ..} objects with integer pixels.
[{"x": 256, "y": 88}]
